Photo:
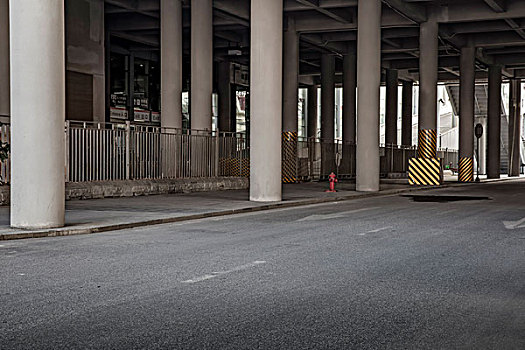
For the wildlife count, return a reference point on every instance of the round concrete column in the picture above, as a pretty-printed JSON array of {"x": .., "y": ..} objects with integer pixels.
[
  {"x": 349, "y": 95},
  {"x": 514, "y": 148},
  {"x": 37, "y": 109},
  {"x": 4, "y": 58},
  {"x": 368, "y": 81},
  {"x": 266, "y": 64},
  {"x": 428, "y": 78},
  {"x": 327, "y": 114},
  {"x": 391, "y": 107},
  {"x": 201, "y": 64},
  {"x": 494, "y": 123},
  {"x": 466, "y": 114},
  {"x": 311, "y": 128},
  {"x": 406, "y": 113},
  {"x": 290, "y": 77},
  {"x": 171, "y": 63}
]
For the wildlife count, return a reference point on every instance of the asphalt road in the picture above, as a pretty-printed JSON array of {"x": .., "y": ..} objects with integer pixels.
[{"x": 378, "y": 273}]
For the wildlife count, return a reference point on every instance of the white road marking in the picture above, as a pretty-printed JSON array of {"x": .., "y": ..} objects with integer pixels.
[
  {"x": 375, "y": 231},
  {"x": 219, "y": 273},
  {"x": 512, "y": 225},
  {"x": 21, "y": 274},
  {"x": 342, "y": 214}
]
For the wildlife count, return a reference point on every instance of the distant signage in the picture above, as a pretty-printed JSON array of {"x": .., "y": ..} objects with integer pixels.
[
  {"x": 118, "y": 113},
  {"x": 141, "y": 115},
  {"x": 478, "y": 130},
  {"x": 155, "y": 117}
]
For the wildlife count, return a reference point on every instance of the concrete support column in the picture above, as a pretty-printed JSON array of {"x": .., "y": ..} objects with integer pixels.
[
  {"x": 290, "y": 101},
  {"x": 428, "y": 79},
  {"x": 406, "y": 113},
  {"x": 368, "y": 81},
  {"x": 4, "y": 58},
  {"x": 311, "y": 128},
  {"x": 226, "y": 102},
  {"x": 327, "y": 114},
  {"x": 494, "y": 123},
  {"x": 466, "y": 114},
  {"x": 266, "y": 62},
  {"x": 515, "y": 127},
  {"x": 391, "y": 107},
  {"x": 38, "y": 113},
  {"x": 349, "y": 96},
  {"x": 201, "y": 64},
  {"x": 171, "y": 63}
]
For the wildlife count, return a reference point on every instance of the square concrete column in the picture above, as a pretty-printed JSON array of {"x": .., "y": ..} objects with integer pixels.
[
  {"x": 466, "y": 114},
  {"x": 266, "y": 74},
  {"x": 311, "y": 128},
  {"x": 428, "y": 79},
  {"x": 290, "y": 101},
  {"x": 4, "y": 58},
  {"x": 494, "y": 123},
  {"x": 327, "y": 114},
  {"x": 368, "y": 81},
  {"x": 171, "y": 63},
  {"x": 201, "y": 64},
  {"x": 226, "y": 97},
  {"x": 406, "y": 113},
  {"x": 391, "y": 107},
  {"x": 38, "y": 113},
  {"x": 514, "y": 148},
  {"x": 349, "y": 95}
]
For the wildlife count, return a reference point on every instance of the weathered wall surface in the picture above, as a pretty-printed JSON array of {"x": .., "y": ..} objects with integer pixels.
[{"x": 131, "y": 188}]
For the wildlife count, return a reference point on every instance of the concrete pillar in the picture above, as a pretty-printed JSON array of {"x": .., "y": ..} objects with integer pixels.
[
  {"x": 406, "y": 113},
  {"x": 201, "y": 64},
  {"x": 311, "y": 128},
  {"x": 493, "y": 130},
  {"x": 38, "y": 113},
  {"x": 327, "y": 114},
  {"x": 290, "y": 77},
  {"x": 226, "y": 102},
  {"x": 4, "y": 58},
  {"x": 515, "y": 127},
  {"x": 290, "y": 101},
  {"x": 391, "y": 107},
  {"x": 466, "y": 114},
  {"x": 349, "y": 96},
  {"x": 428, "y": 78},
  {"x": 171, "y": 63},
  {"x": 368, "y": 81},
  {"x": 266, "y": 59}
]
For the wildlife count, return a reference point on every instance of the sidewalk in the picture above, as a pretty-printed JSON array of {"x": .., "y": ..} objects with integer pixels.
[{"x": 99, "y": 215}]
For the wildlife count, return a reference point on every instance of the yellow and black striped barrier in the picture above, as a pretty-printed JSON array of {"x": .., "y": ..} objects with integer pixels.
[
  {"x": 424, "y": 172},
  {"x": 427, "y": 143},
  {"x": 466, "y": 169},
  {"x": 289, "y": 157},
  {"x": 234, "y": 167}
]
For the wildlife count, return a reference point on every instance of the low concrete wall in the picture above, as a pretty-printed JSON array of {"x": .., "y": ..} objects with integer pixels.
[{"x": 131, "y": 188}]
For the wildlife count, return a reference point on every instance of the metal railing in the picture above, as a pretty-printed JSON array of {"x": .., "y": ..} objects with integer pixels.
[{"x": 121, "y": 151}]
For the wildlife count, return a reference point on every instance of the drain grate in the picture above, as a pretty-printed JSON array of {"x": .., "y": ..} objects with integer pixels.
[{"x": 443, "y": 198}]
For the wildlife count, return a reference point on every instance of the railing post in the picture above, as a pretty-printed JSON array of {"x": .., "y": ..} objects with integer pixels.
[
  {"x": 128, "y": 150},
  {"x": 217, "y": 152},
  {"x": 66, "y": 160}
]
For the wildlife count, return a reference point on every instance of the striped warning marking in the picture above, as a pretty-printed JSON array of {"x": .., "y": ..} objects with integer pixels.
[
  {"x": 427, "y": 143},
  {"x": 466, "y": 169},
  {"x": 289, "y": 154},
  {"x": 424, "y": 171}
]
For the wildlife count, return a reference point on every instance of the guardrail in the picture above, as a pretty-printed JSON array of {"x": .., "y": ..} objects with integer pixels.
[{"x": 120, "y": 151}]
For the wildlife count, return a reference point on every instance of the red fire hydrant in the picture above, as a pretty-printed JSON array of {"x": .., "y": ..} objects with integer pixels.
[{"x": 332, "y": 179}]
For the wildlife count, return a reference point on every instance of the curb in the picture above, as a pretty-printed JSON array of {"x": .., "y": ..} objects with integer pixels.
[{"x": 60, "y": 232}]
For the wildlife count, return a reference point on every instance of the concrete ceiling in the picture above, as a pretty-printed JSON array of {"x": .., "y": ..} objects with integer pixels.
[{"x": 495, "y": 27}]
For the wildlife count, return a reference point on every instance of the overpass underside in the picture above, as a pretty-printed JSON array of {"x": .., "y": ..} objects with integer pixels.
[{"x": 157, "y": 86}]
